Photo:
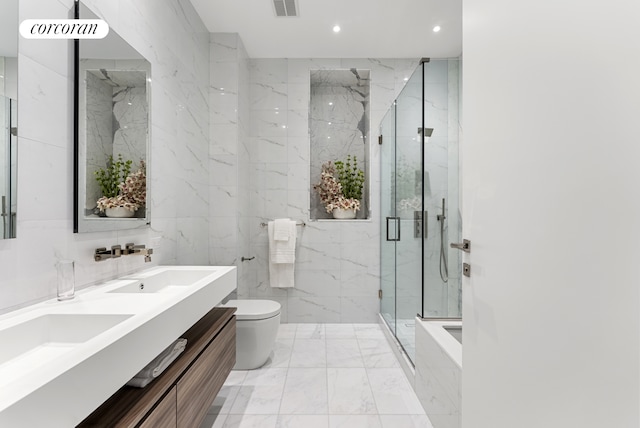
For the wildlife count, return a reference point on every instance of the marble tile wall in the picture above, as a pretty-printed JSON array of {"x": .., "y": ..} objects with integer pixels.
[
  {"x": 337, "y": 262},
  {"x": 229, "y": 153},
  {"x": 179, "y": 177}
]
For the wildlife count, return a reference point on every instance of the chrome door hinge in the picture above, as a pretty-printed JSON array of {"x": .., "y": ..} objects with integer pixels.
[{"x": 379, "y": 294}]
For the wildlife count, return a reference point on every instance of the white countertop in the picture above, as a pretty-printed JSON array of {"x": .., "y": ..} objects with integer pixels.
[{"x": 60, "y": 383}]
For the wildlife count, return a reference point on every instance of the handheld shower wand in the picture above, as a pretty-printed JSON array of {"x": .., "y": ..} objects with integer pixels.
[{"x": 444, "y": 269}]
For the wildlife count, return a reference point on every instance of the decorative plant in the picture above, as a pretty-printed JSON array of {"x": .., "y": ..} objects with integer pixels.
[
  {"x": 351, "y": 178},
  {"x": 120, "y": 187},
  {"x": 116, "y": 172},
  {"x": 343, "y": 192}
]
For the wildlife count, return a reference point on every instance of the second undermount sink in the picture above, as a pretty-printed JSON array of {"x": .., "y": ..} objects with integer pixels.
[
  {"x": 46, "y": 337},
  {"x": 165, "y": 281}
]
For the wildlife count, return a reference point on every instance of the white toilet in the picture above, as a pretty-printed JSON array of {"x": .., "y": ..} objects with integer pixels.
[{"x": 257, "y": 324}]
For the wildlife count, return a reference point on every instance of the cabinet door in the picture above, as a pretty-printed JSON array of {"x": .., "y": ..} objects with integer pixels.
[
  {"x": 199, "y": 386},
  {"x": 164, "y": 415}
]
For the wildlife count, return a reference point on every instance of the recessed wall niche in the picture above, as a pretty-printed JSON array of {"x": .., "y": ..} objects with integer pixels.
[{"x": 339, "y": 127}]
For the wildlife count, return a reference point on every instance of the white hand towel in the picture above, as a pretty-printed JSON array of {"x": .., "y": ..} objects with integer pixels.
[
  {"x": 282, "y": 258},
  {"x": 281, "y": 229},
  {"x": 282, "y": 251}
]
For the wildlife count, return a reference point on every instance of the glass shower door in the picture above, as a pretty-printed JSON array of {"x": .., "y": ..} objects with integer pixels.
[
  {"x": 402, "y": 215},
  {"x": 388, "y": 226},
  {"x": 408, "y": 204}
]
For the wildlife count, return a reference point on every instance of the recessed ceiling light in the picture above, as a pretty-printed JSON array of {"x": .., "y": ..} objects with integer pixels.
[
  {"x": 330, "y": 104},
  {"x": 436, "y": 28},
  {"x": 406, "y": 79},
  {"x": 336, "y": 28}
]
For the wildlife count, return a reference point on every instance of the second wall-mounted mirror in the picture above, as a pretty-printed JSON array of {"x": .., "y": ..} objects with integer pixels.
[
  {"x": 8, "y": 118},
  {"x": 112, "y": 135}
]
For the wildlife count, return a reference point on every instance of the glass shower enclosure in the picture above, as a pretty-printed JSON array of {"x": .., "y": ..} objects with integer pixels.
[{"x": 420, "y": 273}]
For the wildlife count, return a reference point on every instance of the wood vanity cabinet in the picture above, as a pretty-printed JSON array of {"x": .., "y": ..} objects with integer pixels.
[{"x": 181, "y": 396}]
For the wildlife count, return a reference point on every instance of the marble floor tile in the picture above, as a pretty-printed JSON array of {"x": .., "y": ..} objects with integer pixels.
[
  {"x": 349, "y": 392},
  {"x": 250, "y": 421},
  {"x": 310, "y": 331},
  {"x": 368, "y": 331},
  {"x": 303, "y": 421},
  {"x": 340, "y": 331},
  {"x": 308, "y": 353},
  {"x": 287, "y": 331},
  {"x": 236, "y": 377},
  {"x": 405, "y": 421},
  {"x": 344, "y": 353},
  {"x": 213, "y": 421},
  {"x": 305, "y": 392},
  {"x": 260, "y": 392},
  {"x": 376, "y": 353},
  {"x": 281, "y": 353},
  {"x": 354, "y": 421},
  {"x": 224, "y": 400},
  {"x": 228, "y": 392},
  {"x": 321, "y": 376},
  {"x": 393, "y": 393}
]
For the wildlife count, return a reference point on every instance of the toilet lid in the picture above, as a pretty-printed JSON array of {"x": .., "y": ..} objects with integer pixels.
[{"x": 254, "y": 309}]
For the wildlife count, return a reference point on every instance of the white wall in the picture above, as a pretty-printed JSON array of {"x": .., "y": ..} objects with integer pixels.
[
  {"x": 551, "y": 206},
  {"x": 171, "y": 35}
]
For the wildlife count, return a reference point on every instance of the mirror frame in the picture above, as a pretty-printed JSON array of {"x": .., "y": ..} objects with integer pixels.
[{"x": 101, "y": 224}]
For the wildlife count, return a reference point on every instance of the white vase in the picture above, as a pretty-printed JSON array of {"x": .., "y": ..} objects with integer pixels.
[
  {"x": 119, "y": 212},
  {"x": 343, "y": 214}
]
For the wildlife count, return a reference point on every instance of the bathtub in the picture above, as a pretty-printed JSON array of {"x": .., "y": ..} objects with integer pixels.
[{"x": 438, "y": 379}]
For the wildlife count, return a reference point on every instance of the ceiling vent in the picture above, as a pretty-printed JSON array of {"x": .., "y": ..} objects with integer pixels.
[{"x": 285, "y": 7}]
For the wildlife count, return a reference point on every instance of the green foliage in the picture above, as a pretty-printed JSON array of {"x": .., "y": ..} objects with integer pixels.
[
  {"x": 351, "y": 178},
  {"x": 116, "y": 173}
]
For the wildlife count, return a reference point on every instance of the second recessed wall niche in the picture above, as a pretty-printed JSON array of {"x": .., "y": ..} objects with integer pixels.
[{"x": 339, "y": 127}]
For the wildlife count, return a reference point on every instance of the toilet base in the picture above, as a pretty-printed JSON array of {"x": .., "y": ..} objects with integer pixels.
[{"x": 254, "y": 342}]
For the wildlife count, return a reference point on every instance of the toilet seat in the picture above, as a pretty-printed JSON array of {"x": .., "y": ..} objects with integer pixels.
[{"x": 254, "y": 309}]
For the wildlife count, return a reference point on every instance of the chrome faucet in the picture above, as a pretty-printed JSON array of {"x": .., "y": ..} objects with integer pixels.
[
  {"x": 103, "y": 254},
  {"x": 134, "y": 249}
]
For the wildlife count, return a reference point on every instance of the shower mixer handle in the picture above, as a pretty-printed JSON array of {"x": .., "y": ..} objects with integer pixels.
[{"x": 464, "y": 246}]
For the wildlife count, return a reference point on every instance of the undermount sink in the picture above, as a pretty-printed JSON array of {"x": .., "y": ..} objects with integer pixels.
[
  {"x": 166, "y": 281},
  {"x": 48, "y": 336}
]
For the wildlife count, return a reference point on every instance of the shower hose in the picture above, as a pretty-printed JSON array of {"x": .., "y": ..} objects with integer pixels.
[{"x": 444, "y": 270}]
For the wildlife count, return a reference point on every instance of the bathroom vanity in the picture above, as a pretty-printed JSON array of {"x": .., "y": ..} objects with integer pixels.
[
  {"x": 69, "y": 358},
  {"x": 182, "y": 394}
]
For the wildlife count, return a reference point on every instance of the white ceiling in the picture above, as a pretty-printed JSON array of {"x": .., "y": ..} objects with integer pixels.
[{"x": 370, "y": 28}]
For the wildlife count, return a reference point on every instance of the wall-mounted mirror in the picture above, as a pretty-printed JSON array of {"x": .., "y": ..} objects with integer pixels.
[
  {"x": 8, "y": 117},
  {"x": 112, "y": 132}
]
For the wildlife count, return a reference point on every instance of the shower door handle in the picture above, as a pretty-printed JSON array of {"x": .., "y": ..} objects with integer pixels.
[{"x": 397, "y": 227}]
